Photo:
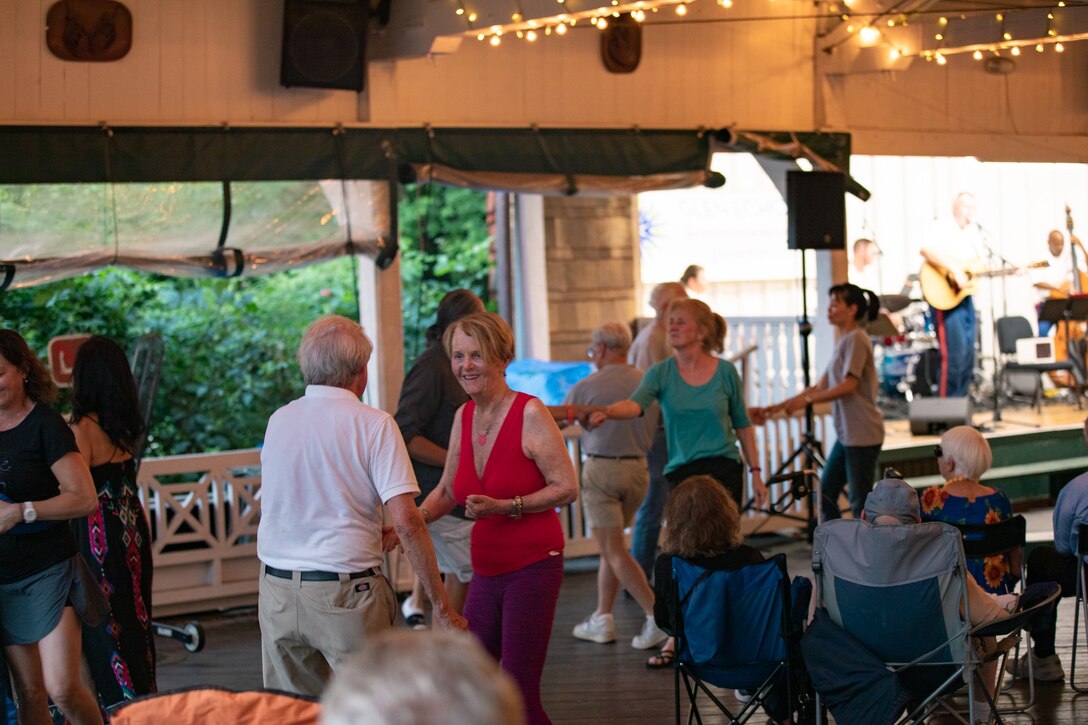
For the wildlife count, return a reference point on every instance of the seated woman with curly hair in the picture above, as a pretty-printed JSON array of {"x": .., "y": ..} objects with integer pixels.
[{"x": 703, "y": 527}]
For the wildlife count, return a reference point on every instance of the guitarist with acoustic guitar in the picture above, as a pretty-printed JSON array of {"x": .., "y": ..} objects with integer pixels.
[{"x": 954, "y": 249}]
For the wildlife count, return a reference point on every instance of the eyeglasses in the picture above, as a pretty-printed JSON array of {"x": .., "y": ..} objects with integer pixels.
[
  {"x": 590, "y": 353},
  {"x": 938, "y": 451}
]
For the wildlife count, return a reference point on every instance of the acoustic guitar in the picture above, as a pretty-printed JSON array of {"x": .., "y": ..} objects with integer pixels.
[{"x": 942, "y": 293}]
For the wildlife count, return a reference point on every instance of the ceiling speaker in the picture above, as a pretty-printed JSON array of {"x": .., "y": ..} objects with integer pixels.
[{"x": 324, "y": 44}]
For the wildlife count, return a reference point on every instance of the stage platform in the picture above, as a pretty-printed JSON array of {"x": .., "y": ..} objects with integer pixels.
[{"x": 1035, "y": 453}]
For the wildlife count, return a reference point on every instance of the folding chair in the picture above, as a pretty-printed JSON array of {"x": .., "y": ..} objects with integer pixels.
[
  {"x": 983, "y": 540},
  {"x": 902, "y": 592},
  {"x": 1081, "y": 602},
  {"x": 732, "y": 631}
]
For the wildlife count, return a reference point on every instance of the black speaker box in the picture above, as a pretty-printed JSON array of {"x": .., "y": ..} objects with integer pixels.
[
  {"x": 324, "y": 44},
  {"x": 816, "y": 206},
  {"x": 929, "y": 416}
]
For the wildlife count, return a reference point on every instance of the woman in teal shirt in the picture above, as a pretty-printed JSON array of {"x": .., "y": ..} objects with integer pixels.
[{"x": 702, "y": 403}]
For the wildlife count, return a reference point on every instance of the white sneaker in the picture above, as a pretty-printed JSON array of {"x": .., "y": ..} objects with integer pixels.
[
  {"x": 1046, "y": 669},
  {"x": 650, "y": 636},
  {"x": 600, "y": 629},
  {"x": 413, "y": 615}
]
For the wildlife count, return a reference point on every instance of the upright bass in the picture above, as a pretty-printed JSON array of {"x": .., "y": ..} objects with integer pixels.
[{"x": 1069, "y": 336}]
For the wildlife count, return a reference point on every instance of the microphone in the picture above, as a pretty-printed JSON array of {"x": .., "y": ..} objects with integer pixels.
[{"x": 1068, "y": 218}]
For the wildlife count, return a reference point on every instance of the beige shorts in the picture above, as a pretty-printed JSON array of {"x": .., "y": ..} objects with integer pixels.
[{"x": 612, "y": 490}]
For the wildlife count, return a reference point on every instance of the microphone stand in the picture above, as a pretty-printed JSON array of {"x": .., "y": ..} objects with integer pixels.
[{"x": 995, "y": 345}]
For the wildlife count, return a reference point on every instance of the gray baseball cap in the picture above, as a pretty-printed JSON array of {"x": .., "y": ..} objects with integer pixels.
[{"x": 893, "y": 497}]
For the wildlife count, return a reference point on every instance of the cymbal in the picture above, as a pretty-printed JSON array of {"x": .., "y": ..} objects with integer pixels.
[{"x": 894, "y": 303}]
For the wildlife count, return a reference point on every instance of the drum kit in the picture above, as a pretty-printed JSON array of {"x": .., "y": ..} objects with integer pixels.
[{"x": 905, "y": 345}]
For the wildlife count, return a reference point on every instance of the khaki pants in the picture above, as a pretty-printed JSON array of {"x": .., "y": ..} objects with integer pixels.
[{"x": 307, "y": 628}]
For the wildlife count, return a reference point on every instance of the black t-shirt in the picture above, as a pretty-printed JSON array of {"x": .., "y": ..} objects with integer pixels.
[
  {"x": 429, "y": 399},
  {"x": 665, "y": 593},
  {"x": 27, "y": 453}
]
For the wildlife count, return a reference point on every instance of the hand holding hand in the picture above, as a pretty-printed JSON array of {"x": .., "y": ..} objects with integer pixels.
[
  {"x": 758, "y": 416},
  {"x": 390, "y": 540},
  {"x": 597, "y": 417}
]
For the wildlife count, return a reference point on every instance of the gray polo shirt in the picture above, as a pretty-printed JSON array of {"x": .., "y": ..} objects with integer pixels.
[{"x": 611, "y": 384}]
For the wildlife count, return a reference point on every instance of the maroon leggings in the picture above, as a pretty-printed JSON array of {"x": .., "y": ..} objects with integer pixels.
[{"x": 511, "y": 614}]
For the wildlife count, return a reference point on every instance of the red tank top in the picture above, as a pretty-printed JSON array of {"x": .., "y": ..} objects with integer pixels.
[{"x": 501, "y": 544}]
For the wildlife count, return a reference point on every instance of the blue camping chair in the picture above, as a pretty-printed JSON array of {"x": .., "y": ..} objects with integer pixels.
[
  {"x": 732, "y": 631},
  {"x": 901, "y": 592}
]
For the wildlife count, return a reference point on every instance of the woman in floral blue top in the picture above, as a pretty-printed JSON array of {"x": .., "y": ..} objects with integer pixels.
[{"x": 963, "y": 457}]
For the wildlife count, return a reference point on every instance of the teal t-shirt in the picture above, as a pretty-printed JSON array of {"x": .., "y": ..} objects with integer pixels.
[{"x": 700, "y": 421}]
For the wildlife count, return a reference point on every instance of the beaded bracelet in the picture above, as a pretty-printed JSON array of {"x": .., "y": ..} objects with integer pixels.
[{"x": 517, "y": 508}]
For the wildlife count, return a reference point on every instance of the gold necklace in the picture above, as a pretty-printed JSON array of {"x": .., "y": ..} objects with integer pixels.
[
  {"x": 958, "y": 479},
  {"x": 481, "y": 438}
]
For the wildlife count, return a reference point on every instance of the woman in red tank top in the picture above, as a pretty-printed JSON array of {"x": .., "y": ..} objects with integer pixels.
[{"x": 508, "y": 466}]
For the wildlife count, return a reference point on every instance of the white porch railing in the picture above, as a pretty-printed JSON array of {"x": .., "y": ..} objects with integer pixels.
[{"x": 204, "y": 508}]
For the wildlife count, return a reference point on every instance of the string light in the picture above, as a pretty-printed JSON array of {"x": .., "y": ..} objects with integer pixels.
[
  {"x": 1039, "y": 48},
  {"x": 869, "y": 35},
  {"x": 1015, "y": 50},
  {"x": 682, "y": 9},
  {"x": 977, "y": 55},
  {"x": 1059, "y": 48},
  {"x": 941, "y": 60},
  {"x": 560, "y": 29},
  {"x": 495, "y": 40},
  {"x": 531, "y": 36}
]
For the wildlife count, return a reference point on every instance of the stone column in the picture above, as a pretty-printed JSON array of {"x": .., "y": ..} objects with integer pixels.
[{"x": 592, "y": 254}]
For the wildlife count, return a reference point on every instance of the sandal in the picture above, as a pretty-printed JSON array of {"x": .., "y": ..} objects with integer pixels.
[{"x": 662, "y": 659}]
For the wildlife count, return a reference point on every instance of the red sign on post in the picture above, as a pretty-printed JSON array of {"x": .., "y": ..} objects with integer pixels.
[{"x": 62, "y": 357}]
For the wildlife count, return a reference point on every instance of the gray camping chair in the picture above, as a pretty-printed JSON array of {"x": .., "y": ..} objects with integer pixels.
[{"x": 901, "y": 591}]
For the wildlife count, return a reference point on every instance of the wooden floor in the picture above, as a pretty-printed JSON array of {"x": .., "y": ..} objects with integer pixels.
[{"x": 583, "y": 682}]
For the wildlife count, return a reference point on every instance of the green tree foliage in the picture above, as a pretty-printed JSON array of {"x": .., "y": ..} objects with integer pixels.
[
  {"x": 229, "y": 344},
  {"x": 445, "y": 244}
]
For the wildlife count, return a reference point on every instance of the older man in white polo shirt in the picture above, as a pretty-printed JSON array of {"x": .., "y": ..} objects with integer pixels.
[{"x": 329, "y": 463}]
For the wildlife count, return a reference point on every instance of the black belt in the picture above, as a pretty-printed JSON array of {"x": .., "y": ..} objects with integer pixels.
[
  {"x": 315, "y": 576},
  {"x": 616, "y": 458}
]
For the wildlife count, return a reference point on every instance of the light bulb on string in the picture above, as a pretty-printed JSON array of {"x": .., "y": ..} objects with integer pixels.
[
  {"x": 560, "y": 29},
  {"x": 869, "y": 35},
  {"x": 531, "y": 36},
  {"x": 495, "y": 40},
  {"x": 682, "y": 9},
  {"x": 1015, "y": 50},
  {"x": 977, "y": 55},
  {"x": 1059, "y": 48},
  {"x": 602, "y": 24},
  {"x": 1039, "y": 48},
  {"x": 472, "y": 17},
  {"x": 942, "y": 21},
  {"x": 893, "y": 54},
  {"x": 460, "y": 11},
  {"x": 941, "y": 60}
]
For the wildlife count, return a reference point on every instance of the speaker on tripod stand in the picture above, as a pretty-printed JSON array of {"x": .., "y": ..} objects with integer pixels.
[{"x": 816, "y": 216}]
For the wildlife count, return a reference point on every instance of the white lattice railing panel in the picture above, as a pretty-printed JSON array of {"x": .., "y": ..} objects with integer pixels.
[{"x": 203, "y": 511}]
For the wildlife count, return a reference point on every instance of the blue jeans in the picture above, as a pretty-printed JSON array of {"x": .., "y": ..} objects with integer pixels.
[
  {"x": 853, "y": 465},
  {"x": 648, "y": 517},
  {"x": 956, "y": 339}
]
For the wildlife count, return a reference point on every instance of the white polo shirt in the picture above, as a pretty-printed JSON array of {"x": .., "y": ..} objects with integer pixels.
[{"x": 328, "y": 464}]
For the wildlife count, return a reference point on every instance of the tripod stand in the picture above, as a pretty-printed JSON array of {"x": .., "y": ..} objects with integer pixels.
[{"x": 804, "y": 484}]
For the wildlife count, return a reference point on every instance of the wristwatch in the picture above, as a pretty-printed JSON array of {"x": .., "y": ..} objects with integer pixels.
[{"x": 30, "y": 514}]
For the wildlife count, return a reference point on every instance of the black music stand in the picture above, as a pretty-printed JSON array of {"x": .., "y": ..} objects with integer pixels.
[{"x": 1065, "y": 312}]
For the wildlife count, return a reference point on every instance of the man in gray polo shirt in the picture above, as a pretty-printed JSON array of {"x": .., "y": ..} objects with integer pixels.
[{"x": 614, "y": 481}]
